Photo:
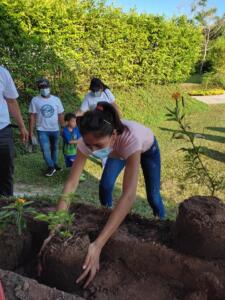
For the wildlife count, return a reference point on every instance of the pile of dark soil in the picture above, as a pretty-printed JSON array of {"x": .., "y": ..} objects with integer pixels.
[{"x": 145, "y": 259}]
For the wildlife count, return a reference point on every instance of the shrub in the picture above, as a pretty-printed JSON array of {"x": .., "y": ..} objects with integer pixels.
[
  {"x": 78, "y": 39},
  {"x": 214, "y": 79}
]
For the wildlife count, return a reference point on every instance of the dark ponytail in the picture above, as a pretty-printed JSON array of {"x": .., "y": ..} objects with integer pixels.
[
  {"x": 101, "y": 122},
  {"x": 96, "y": 84}
]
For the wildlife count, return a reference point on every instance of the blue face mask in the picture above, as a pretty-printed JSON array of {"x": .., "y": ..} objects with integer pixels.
[
  {"x": 102, "y": 153},
  {"x": 45, "y": 92},
  {"x": 97, "y": 94}
]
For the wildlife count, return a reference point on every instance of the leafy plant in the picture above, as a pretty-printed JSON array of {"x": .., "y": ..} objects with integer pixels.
[
  {"x": 59, "y": 222},
  {"x": 16, "y": 213},
  {"x": 196, "y": 168},
  {"x": 80, "y": 39},
  {"x": 214, "y": 79}
]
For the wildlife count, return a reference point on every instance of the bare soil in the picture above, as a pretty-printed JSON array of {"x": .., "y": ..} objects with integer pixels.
[{"x": 145, "y": 259}]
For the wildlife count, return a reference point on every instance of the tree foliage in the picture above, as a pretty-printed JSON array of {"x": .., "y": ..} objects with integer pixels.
[{"x": 70, "y": 40}]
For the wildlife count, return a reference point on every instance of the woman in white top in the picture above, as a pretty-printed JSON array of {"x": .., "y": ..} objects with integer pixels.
[{"x": 99, "y": 92}]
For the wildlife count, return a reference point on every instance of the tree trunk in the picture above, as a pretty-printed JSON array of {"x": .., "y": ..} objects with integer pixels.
[{"x": 207, "y": 36}]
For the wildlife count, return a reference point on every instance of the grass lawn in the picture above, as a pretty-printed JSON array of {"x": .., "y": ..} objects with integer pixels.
[{"x": 148, "y": 107}]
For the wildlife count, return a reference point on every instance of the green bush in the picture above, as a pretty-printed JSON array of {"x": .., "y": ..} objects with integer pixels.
[
  {"x": 206, "y": 92},
  {"x": 214, "y": 79},
  {"x": 69, "y": 41},
  {"x": 216, "y": 54}
]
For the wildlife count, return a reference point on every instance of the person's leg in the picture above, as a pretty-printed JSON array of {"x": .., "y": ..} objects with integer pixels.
[
  {"x": 54, "y": 142},
  {"x": 151, "y": 166},
  {"x": 44, "y": 141},
  {"x": 69, "y": 159},
  {"x": 111, "y": 171},
  {"x": 6, "y": 162},
  {"x": 104, "y": 160}
]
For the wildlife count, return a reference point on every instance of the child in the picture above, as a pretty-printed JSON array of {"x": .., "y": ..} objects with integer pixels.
[{"x": 70, "y": 136}]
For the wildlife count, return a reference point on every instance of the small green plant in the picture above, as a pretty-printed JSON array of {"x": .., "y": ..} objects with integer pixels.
[
  {"x": 196, "y": 168},
  {"x": 16, "y": 213},
  {"x": 59, "y": 222}
]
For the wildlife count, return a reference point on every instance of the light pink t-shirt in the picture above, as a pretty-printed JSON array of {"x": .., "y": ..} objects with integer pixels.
[{"x": 136, "y": 137}]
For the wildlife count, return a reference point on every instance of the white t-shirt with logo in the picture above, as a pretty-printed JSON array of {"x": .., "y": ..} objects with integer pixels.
[
  {"x": 46, "y": 110},
  {"x": 90, "y": 101},
  {"x": 7, "y": 91}
]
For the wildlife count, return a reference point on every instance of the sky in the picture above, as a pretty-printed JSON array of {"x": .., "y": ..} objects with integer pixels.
[{"x": 165, "y": 7}]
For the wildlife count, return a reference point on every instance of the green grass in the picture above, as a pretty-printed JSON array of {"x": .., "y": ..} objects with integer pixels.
[
  {"x": 195, "y": 78},
  {"x": 146, "y": 106}
]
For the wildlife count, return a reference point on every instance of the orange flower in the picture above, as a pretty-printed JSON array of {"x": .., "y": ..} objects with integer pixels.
[
  {"x": 176, "y": 96},
  {"x": 20, "y": 201}
]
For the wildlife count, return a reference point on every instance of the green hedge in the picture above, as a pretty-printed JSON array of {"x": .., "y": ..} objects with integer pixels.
[{"x": 70, "y": 41}]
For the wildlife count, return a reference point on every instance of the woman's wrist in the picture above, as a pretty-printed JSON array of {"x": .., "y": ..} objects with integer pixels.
[{"x": 99, "y": 243}]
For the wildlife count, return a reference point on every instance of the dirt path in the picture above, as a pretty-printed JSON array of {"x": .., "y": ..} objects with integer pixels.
[
  {"x": 21, "y": 190},
  {"x": 217, "y": 99}
]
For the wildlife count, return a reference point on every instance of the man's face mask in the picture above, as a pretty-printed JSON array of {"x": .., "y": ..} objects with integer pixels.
[{"x": 45, "y": 92}]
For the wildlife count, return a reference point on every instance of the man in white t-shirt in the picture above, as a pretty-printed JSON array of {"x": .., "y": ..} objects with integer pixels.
[
  {"x": 8, "y": 105},
  {"x": 46, "y": 111}
]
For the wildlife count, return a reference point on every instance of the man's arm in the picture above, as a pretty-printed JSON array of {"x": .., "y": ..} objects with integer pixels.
[
  {"x": 14, "y": 110},
  {"x": 32, "y": 122},
  {"x": 61, "y": 119}
]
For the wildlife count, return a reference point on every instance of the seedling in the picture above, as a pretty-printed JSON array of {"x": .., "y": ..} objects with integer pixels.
[
  {"x": 16, "y": 214},
  {"x": 195, "y": 165},
  {"x": 59, "y": 222}
]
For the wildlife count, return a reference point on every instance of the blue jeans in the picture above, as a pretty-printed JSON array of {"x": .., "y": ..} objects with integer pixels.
[
  {"x": 69, "y": 159},
  {"x": 151, "y": 166},
  {"x": 49, "y": 146}
]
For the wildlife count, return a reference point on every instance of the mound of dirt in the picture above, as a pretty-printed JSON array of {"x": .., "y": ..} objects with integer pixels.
[
  {"x": 63, "y": 261},
  {"x": 17, "y": 287},
  {"x": 199, "y": 229},
  {"x": 144, "y": 259},
  {"x": 137, "y": 263}
]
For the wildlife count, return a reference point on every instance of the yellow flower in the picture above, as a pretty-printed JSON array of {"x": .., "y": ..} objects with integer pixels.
[{"x": 20, "y": 201}]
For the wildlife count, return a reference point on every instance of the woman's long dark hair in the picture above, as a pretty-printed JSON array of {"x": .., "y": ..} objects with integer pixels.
[
  {"x": 101, "y": 122},
  {"x": 96, "y": 85}
]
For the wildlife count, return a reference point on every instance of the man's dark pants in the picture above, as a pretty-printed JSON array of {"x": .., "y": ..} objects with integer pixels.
[{"x": 6, "y": 161}]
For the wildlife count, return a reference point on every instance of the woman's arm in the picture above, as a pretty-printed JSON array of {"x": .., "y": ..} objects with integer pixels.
[
  {"x": 69, "y": 187},
  {"x": 79, "y": 113},
  {"x": 91, "y": 264},
  {"x": 71, "y": 184}
]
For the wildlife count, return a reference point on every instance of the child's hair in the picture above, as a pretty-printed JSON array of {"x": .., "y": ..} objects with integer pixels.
[
  {"x": 101, "y": 121},
  {"x": 96, "y": 85},
  {"x": 69, "y": 116}
]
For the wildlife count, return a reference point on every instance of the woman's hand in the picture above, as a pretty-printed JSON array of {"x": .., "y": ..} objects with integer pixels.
[{"x": 91, "y": 264}]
